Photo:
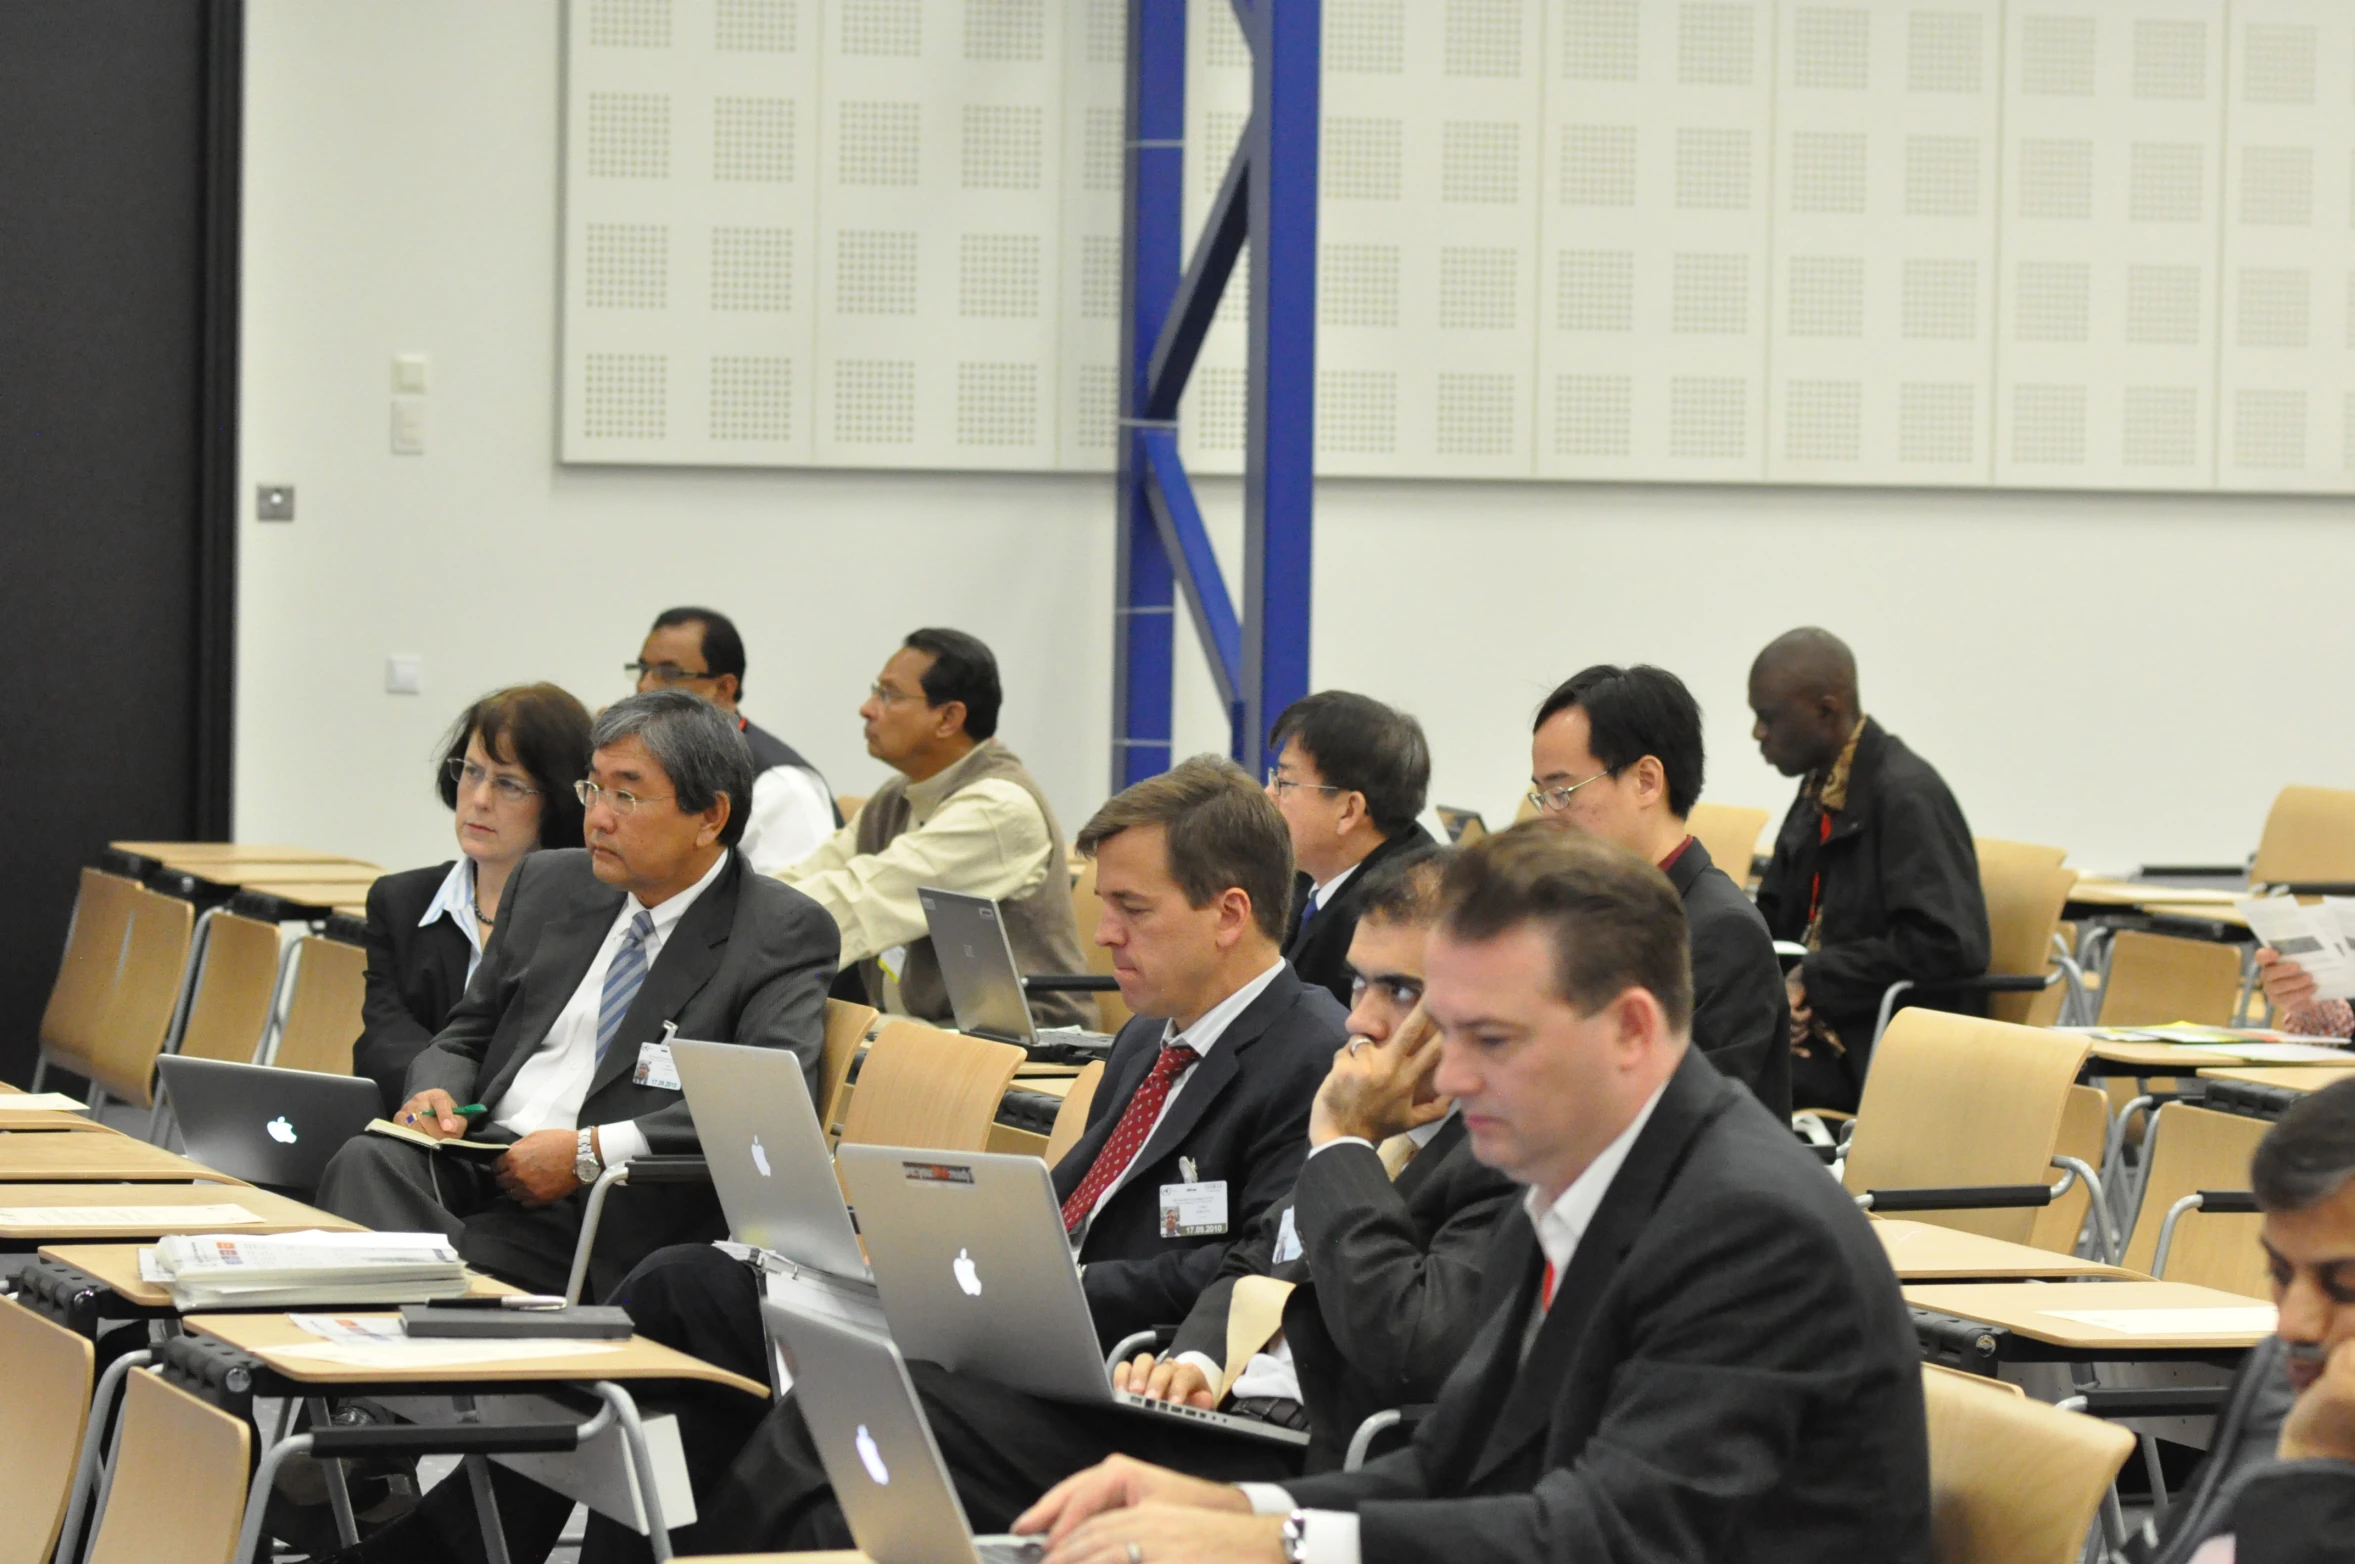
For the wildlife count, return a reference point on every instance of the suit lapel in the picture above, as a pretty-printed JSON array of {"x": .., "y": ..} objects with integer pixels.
[
  {"x": 1123, "y": 1074},
  {"x": 1220, "y": 1066},
  {"x": 689, "y": 957},
  {"x": 560, "y": 960}
]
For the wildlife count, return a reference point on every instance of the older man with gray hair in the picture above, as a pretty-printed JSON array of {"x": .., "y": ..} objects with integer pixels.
[{"x": 558, "y": 1053}]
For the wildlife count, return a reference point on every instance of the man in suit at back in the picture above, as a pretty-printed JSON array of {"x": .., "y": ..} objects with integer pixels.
[
  {"x": 1694, "y": 1349},
  {"x": 1617, "y": 753},
  {"x": 560, "y": 1034},
  {"x": 1350, "y": 775}
]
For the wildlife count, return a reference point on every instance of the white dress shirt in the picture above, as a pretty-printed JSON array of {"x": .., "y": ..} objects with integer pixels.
[
  {"x": 1202, "y": 1037},
  {"x": 1330, "y": 1536},
  {"x": 547, "y": 1092},
  {"x": 1322, "y": 895},
  {"x": 455, "y": 901},
  {"x": 792, "y": 815}
]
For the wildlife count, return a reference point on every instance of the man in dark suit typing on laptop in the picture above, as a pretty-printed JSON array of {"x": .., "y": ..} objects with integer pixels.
[
  {"x": 1693, "y": 1348},
  {"x": 560, "y": 1032}
]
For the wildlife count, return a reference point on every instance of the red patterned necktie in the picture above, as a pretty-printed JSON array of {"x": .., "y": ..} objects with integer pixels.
[{"x": 1128, "y": 1136}]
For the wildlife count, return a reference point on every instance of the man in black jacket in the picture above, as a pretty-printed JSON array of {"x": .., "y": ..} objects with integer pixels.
[
  {"x": 1694, "y": 1349},
  {"x": 1350, "y": 775},
  {"x": 1617, "y": 753},
  {"x": 1873, "y": 871}
]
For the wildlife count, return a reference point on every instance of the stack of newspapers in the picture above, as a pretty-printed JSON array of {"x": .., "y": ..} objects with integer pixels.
[{"x": 246, "y": 1271}]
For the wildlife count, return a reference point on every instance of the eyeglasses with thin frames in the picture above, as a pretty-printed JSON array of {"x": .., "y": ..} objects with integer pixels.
[
  {"x": 1279, "y": 784},
  {"x": 624, "y": 803},
  {"x": 1553, "y": 800},
  {"x": 888, "y": 696},
  {"x": 664, "y": 673},
  {"x": 506, "y": 789}
]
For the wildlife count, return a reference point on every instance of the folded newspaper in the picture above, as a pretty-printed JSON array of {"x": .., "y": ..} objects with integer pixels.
[{"x": 247, "y": 1271}]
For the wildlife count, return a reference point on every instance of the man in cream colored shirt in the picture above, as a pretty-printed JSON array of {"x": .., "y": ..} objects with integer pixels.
[{"x": 963, "y": 815}]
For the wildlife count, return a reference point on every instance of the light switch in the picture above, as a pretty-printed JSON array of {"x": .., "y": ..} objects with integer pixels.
[
  {"x": 408, "y": 426},
  {"x": 410, "y": 372},
  {"x": 273, "y": 502},
  {"x": 404, "y": 675}
]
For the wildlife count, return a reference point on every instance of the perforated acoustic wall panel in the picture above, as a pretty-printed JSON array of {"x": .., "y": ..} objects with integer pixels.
[{"x": 2036, "y": 243}]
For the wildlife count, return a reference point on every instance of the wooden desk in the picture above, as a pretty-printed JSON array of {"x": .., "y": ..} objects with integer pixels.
[
  {"x": 1926, "y": 1252},
  {"x": 2091, "y": 892},
  {"x": 268, "y": 1336},
  {"x": 190, "y": 853},
  {"x": 245, "y": 873},
  {"x": 338, "y": 897},
  {"x": 50, "y": 1119},
  {"x": 278, "y": 1214},
  {"x": 50, "y": 1159},
  {"x": 2289, "y": 1077},
  {"x": 2147, "y": 1059},
  {"x": 2030, "y": 1309},
  {"x": 116, "y": 1267},
  {"x": 2200, "y": 911}
]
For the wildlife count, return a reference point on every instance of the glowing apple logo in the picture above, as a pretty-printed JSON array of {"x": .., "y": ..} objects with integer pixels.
[
  {"x": 872, "y": 1458},
  {"x": 280, "y": 1130},
  {"x": 760, "y": 1158},
  {"x": 968, "y": 1274}
]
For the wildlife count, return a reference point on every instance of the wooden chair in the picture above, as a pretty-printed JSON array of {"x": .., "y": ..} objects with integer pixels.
[
  {"x": 322, "y": 1007},
  {"x": 146, "y": 996},
  {"x": 236, "y": 984},
  {"x": 86, "y": 974},
  {"x": 847, "y": 1026},
  {"x": 2012, "y": 1481},
  {"x": 176, "y": 1493},
  {"x": 1087, "y": 910},
  {"x": 1957, "y": 1103},
  {"x": 1071, "y": 1120},
  {"x": 2085, "y": 1135},
  {"x": 2025, "y": 888},
  {"x": 921, "y": 1086},
  {"x": 850, "y": 804},
  {"x": 44, "y": 1408},
  {"x": 2153, "y": 979},
  {"x": 2189, "y": 1150},
  {"x": 2309, "y": 838},
  {"x": 1730, "y": 833}
]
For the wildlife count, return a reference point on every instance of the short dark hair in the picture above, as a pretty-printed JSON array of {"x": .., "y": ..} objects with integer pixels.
[
  {"x": 1634, "y": 712},
  {"x": 539, "y": 727},
  {"x": 1404, "y": 887},
  {"x": 2310, "y": 1155},
  {"x": 1362, "y": 745},
  {"x": 1614, "y": 920},
  {"x": 963, "y": 669},
  {"x": 1224, "y": 832},
  {"x": 697, "y": 745},
  {"x": 723, "y": 648}
]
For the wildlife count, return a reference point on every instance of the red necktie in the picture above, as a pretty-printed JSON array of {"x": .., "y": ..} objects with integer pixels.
[
  {"x": 1545, "y": 1289},
  {"x": 1128, "y": 1136}
]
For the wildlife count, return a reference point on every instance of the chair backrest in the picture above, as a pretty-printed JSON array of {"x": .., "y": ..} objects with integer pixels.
[
  {"x": 2012, "y": 1480},
  {"x": 1731, "y": 834},
  {"x": 139, "y": 1012},
  {"x": 2154, "y": 979},
  {"x": 2085, "y": 1135},
  {"x": 236, "y": 983},
  {"x": 1086, "y": 911},
  {"x": 925, "y": 1087},
  {"x": 177, "y": 1494},
  {"x": 1071, "y": 1120},
  {"x": 2309, "y": 837},
  {"x": 44, "y": 1406},
  {"x": 323, "y": 1007},
  {"x": 847, "y": 1026},
  {"x": 1956, "y": 1100},
  {"x": 86, "y": 975},
  {"x": 850, "y": 804},
  {"x": 2025, "y": 888},
  {"x": 2192, "y": 1149}
]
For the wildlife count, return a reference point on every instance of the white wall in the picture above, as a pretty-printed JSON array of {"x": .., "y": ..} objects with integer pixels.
[{"x": 2060, "y": 657}]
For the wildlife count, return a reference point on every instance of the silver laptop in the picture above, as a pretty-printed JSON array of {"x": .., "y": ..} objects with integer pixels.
[
  {"x": 263, "y": 1124},
  {"x": 768, "y": 1158},
  {"x": 977, "y": 964},
  {"x": 976, "y": 1275},
  {"x": 888, "y": 1476}
]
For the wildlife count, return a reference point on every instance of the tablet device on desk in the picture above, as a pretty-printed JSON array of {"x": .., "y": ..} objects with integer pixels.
[{"x": 262, "y": 1124}]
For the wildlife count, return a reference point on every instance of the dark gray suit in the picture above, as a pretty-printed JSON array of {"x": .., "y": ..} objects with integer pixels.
[
  {"x": 1727, "y": 1373},
  {"x": 748, "y": 963}
]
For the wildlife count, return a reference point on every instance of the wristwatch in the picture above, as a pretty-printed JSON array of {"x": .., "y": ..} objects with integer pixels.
[
  {"x": 585, "y": 1165},
  {"x": 1294, "y": 1537}
]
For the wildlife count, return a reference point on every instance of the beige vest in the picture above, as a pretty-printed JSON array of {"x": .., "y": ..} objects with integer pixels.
[{"x": 1039, "y": 925}]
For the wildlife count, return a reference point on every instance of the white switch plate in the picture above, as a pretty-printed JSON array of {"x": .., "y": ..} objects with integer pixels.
[
  {"x": 404, "y": 675},
  {"x": 408, "y": 426},
  {"x": 411, "y": 373}
]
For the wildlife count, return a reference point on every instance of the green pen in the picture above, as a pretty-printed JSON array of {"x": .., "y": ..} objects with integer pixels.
[{"x": 473, "y": 1108}]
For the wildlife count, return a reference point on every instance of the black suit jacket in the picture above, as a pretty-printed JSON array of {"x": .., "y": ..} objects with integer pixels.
[
  {"x": 1741, "y": 1011},
  {"x": 415, "y": 977},
  {"x": 1242, "y": 1118},
  {"x": 1320, "y": 951},
  {"x": 1728, "y": 1373},
  {"x": 748, "y": 964},
  {"x": 1388, "y": 1279},
  {"x": 1901, "y": 896}
]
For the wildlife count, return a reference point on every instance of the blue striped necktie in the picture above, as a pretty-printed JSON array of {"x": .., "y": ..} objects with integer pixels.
[{"x": 622, "y": 981}]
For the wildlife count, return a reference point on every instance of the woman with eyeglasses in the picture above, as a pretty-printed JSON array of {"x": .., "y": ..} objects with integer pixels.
[{"x": 507, "y": 772}]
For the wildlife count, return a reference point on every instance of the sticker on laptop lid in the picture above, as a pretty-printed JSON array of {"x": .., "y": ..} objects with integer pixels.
[{"x": 936, "y": 1173}]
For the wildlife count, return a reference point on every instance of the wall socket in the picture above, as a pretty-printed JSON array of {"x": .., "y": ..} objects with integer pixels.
[
  {"x": 274, "y": 502},
  {"x": 411, "y": 373},
  {"x": 404, "y": 675},
  {"x": 408, "y": 426}
]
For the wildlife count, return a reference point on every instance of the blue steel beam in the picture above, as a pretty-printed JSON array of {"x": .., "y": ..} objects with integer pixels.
[
  {"x": 1205, "y": 282},
  {"x": 1184, "y": 539}
]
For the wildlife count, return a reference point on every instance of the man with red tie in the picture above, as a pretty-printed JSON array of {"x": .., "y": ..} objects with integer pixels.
[{"x": 1694, "y": 1348}]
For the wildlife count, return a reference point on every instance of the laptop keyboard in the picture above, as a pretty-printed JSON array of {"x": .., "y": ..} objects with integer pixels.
[{"x": 1010, "y": 1550}]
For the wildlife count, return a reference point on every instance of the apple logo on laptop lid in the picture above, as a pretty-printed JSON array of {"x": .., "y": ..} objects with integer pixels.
[
  {"x": 968, "y": 1274},
  {"x": 872, "y": 1458},
  {"x": 281, "y": 1130},
  {"x": 760, "y": 1158}
]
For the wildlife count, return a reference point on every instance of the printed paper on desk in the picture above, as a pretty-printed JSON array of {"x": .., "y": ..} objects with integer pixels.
[
  {"x": 49, "y": 1102},
  {"x": 2256, "y": 1319},
  {"x": 2313, "y": 937},
  {"x": 350, "y": 1327},
  {"x": 128, "y": 1216}
]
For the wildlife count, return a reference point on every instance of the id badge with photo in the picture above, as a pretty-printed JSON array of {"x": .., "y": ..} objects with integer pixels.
[
  {"x": 1194, "y": 1210},
  {"x": 655, "y": 1067}
]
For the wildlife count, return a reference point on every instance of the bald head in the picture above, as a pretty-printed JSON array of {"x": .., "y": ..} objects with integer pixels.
[{"x": 1803, "y": 694}]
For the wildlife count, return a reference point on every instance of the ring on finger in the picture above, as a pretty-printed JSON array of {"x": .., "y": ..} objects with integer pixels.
[
  {"x": 1136, "y": 1554},
  {"x": 1355, "y": 1044}
]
